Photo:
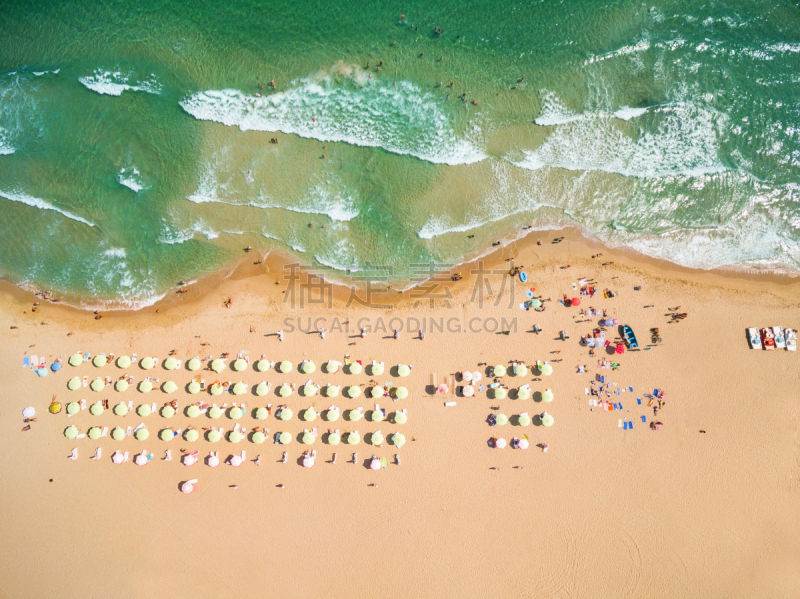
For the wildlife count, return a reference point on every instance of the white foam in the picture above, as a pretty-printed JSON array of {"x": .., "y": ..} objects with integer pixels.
[
  {"x": 342, "y": 106},
  {"x": 24, "y": 198},
  {"x": 114, "y": 83},
  {"x": 341, "y": 256},
  {"x": 641, "y": 46},
  {"x": 5, "y": 145},
  {"x": 554, "y": 112},
  {"x": 131, "y": 178},
  {"x": 116, "y": 253},
  {"x": 627, "y": 113}
]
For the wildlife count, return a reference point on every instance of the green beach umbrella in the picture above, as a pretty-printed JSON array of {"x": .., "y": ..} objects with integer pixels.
[
  {"x": 501, "y": 419},
  {"x": 96, "y": 409},
  {"x": 143, "y": 410},
  {"x": 166, "y": 434},
  {"x": 332, "y": 391},
  {"x": 73, "y": 407},
  {"x": 546, "y": 419},
  {"x": 332, "y": 415},
  {"x": 286, "y": 414},
  {"x": 499, "y": 393},
  {"x": 376, "y": 416},
  {"x": 536, "y": 303},
  {"x": 309, "y": 438},
  {"x": 353, "y": 438},
  {"x": 377, "y": 438},
  {"x": 261, "y": 390},
  {"x": 218, "y": 365},
  {"x": 258, "y": 437},
  {"x": 284, "y": 390},
  {"x": 147, "y": 363},
  {"x": 121, "y": 385},
  {"x": 94, "y": 433},
  {"x": 308, "y": 366},
  {"x": 547, "y": 370},
  {"x": 353, "y": 391},
  {"x": 169, "y": 387},
  {"x": 124, "y": 361},
  {"x": 167, "y": 411},
  {"x": 100, "y": 360},
  {"x": 547, "y": 395},
  {"x": 400, "y": 418},
  {"x": 499, "y": 370},
  {"x": 329, "y": 366},
  {"x": 194, "y": 364},
  {"x": 310, "y": 415},
  {"x": 170, "y": 363},
  {"x": 285, "y": 438},
  {"x": 214, "y": 412},
  {"x": 262, "y": 413},
  {"x": 309, "y": 390},
  {"x": 97, "y": 384},
  {"x": 376, "y": 369},
  {"x": 334, "y": 439},
  {"x": 285, "y": 367},
  {"x": 354, "y": 368},
  {"x": 146, "y": 386},
  {"x": 142, "y": 434},
  {"x": 75, "y": 360},
  {"x": 193, "y": 411},
  {"x": 213, "y": 436},
  {"x": 74, "y": 383},
  {"x": 523, "y": 393},
  {"x": 376, "y": 392},
  {"x": 239, "y": 388},
  {"x": 216, "y": 389},
  {"x": 239, "y": 365},
  {"x": 120, "y": 409},
  {"x": 355, "y": 415},
  {"x": 398, "y": 439},
  {"x": 235, "y": 413},
  {"x": 191, "y": 435},
  {"x": 523, "y": 419},
  {"x": 118, "y": 434},
  {"x": 235, "y": 436},
  {"x": 520, "y": 370},
  {"x": 262, "y": 365},
  {"x": 194, "y": 387},
  {"x": 71, "y": 432},
  {"x": 403, "y": 370},
  {"x": 401, "y": 392}
]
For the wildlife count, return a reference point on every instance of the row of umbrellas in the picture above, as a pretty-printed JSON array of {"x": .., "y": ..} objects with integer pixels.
[
  {"x": 524, "y": 419},
  {"x": 521, "y": 393}
]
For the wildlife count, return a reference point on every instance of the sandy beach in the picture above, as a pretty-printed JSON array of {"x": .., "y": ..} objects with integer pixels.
[{"x": 704, "y": 507}]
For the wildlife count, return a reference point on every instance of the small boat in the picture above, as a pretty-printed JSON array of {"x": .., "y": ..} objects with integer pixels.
[
  {"x": 780, "y": 340},
  {"x": 768, "y": 339},
  {"x": 523, "y": 276},
  {"x": 752, "y": 336},
  {"x": 791, "y": 339},
  {"x": 629, "y": 337}
]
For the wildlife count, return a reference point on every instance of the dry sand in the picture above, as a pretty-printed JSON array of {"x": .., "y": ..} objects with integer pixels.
[{"x": 606, "y": 512}]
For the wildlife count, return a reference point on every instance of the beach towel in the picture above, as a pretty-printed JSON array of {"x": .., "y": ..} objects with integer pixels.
[
  {"x": 586, "y": 390},
  {"x": 620, "y": 405},
  {"x": 639, "y": 400},
  {"x": 34, "y": 361},
  {"x": 630, "y": 425},
  {"x": 630, "y": 389},
  {"x": 26, "y": 362},
  {"x": 619, "y": 423},
  {"x": 617, "y": 391},
  {"x": 602, "y": 379},
  {"x": 644, "y": 418}
]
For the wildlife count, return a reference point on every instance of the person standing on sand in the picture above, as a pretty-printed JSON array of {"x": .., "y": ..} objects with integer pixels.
[
  {"x": 397, "y": 333},
  {"x": 280, "y": 335}
]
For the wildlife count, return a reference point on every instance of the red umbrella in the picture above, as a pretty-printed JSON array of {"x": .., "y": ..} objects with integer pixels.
[
  {"x": 576, "y": 301},
  {"x": 620, "y": 348}
]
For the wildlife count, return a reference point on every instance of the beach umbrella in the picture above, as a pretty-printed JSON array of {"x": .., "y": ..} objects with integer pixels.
[
  {"x": 575, "y": 301},
  {"x": 193, "y": 411},
  {"x": 376, "y": 392},
  {"x": 213, "y": 436},
  {"x": 476, "y": 377},
  {"x": 284, "y": 367},
  {"x": 214, "y": 412},
  {"x": 144, "y": 410},
  {"x": 400, "y": 418},
  {"x": 334, "y": 438},
  {"x": 501, "y": 419},
  {"x": 218, "y": 365},
  {"x": 499, "y": 370},
  {"x": 121, "y": 385},
  {"x": 73, "y": 407},
  {"x": 403, "y": 370},
  {"x": 520, "y": 370},
  {"x": 42, "y": 371},
  {"x": 332, "y": 414},
  {"x": 376, "y": 416},
  {"x": 308, "y": 438},
  {"x": 262, "y": 413},
  {"x": 75, "y": 360},
  {"x": 235, "y": 413},
  {"x": 536, "y": 303},
  {"x": 236, "y": 460},
  {"x": 261, "y": 389},
  {"x": 166, "y": 434},
  {"x": 216, "y": 389},
  {"x": 239, "y": 388},
  {"x": 546, "y": 419},
  {"x": 142, "y": 434},
  {"x": 100, "y": 360},
  {"x": 309, "y": 390},
  {"x": 262, "y": 365},
  {"x": 443, "y": 389},
  {"x": 284, "y": 390},
  {"x": 189, "y": 460},
  {"x": 191, "y": 435},
  {"x": 258, "y": 437},
  {"x": 547, "y": 396},
  {"x": 523, "y": 444},
  {"x": 118, "y": 457},
  {"x": 97, "y": 384},
  {"x": 96, "y": 409},
  {"x": 354, "y": 368},
  {"x": 118, "y": 434},
  {"x": 170, "y": 363},
  {"x": 285, "y": 438},
  {"x": 332, "y": 391},
  {"x": 235, "y": 436},
  {"x": 124, "y": 361},
  {"x": 194, "y": 387},
  {"x": 523, "y": 419},
  {"x": 468, "y": 391},
  {"x": 355, "y": 415},
  {"x": 547, "y": 370},
  {"x": 523, "y": 393},
  {"x": 376, "y": 369},
  {"x": 285, "y": 414},
  {"x": 353, "y": 391},
  {"x": 353, "y": 438},
  {"x": 55, "y": 366},
  {"x": 187, "y": 487},
  {"x": 194, "y": 364},
  {"x": 239, "y": 365},
  {"x": 29, "y": 412},
  {"x": 466, "y": 376},
  {"x": 94, "y": 433},
  {"x": 74, "y": 383},
  {"x": 401, "y": 392},
  {"x": 120, "y": 409},
  {"x": 212, "y": 461},
  {"x": 71, "y": 432},
  {"x": 307, "y": 367},
  {"x": 147, "y": 363},
  {"x": 398, "y": 439},
  {"x": 54, "y": 407},
  {"x": 375, "y": 464},
  {"x": 499, "y": 393},
  {"x": 167, "y": 411},
  {"x": 620, "y": 348},
  {"x": 499, "y": 443},
  {"x": 140, "y": 459},
  {"x": 377, "y": 438},
  {"x": 308, "y": 461},
  {"x": 146, "y": 386},
  {"x": 169, "y": 387}
]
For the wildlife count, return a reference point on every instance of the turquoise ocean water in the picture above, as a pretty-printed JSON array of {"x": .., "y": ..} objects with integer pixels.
[{"x": 134, "y": 151}]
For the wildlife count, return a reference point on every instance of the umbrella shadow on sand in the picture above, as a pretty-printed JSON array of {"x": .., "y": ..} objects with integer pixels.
[{"x": 430, "y": 389}]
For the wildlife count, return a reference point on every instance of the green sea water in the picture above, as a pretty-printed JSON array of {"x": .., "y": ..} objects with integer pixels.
[{"x": 135, "y": 151}]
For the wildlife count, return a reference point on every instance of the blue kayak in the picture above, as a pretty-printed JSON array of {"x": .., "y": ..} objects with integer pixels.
[
  {"x": 523, "y": 276},
  {"x": 629, "y": 336}
]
